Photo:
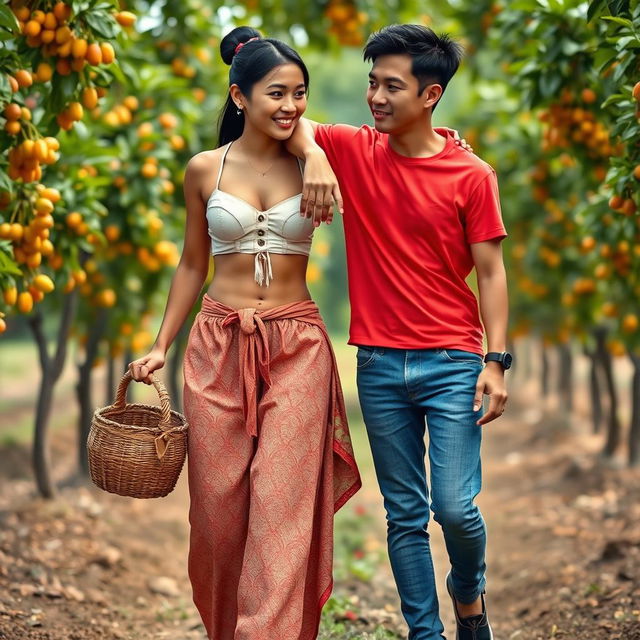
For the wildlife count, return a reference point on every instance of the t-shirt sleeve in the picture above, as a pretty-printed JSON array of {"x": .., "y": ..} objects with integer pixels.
[
  {"x": 337, "y": 141},
  {"x": 482, "y": 212}
]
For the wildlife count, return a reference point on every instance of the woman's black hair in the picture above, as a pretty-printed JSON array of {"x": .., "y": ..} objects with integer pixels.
[
  {"x": 249, "y": 64},
  {"x": 434, "y": 58}
]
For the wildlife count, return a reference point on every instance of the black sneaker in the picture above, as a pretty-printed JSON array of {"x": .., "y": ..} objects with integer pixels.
[{"x": 473, "y": 627}]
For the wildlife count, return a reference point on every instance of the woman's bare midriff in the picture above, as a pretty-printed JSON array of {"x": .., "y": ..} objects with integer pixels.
[{"x": 234, "y": 282}]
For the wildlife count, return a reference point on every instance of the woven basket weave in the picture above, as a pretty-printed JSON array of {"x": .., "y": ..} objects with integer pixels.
[{"x": 135, "y": 449}]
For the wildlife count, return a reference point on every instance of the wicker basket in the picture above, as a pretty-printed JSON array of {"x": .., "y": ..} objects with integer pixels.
[{"x": 135, "y": 449}]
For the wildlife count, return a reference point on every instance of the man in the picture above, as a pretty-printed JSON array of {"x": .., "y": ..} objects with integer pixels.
[{"x": 420, "y": 212}]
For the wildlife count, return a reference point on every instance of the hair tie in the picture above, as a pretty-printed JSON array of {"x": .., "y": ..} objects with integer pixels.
[{"x": 241, "y": 44}]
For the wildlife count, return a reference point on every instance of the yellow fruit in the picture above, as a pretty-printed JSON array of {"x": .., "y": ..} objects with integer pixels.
[
  {"x": 149, "y": 170},
  {"x": 108, "y": 54},
  {"x": 25, "y": 302},
  {"x": 90, "y": 97},
  {"x": 3, "y": 325},
  {"x": 168, "y": 121},
  {"x": 50, "y": 21},
  {"x": 125, "y": 18},
  {"x": 32, "y": 28},
  {"x": 112, "y": 232},
  {"x": 106, "y": 298},
  {"x": 43, "y": 206},
  {"x": 145, "y": 129},
  {"x": 74, "y": 219},
  {"x": 43, "y": 283},
  {"x": 24, "y": 78},
  {"x": 79, "y": 48},
  {"x": 636, "y": 91},
  {"x": 12, "y": 111},
  {"x": 10, "y": 295},
  {"x": 177, "y": 142},
  {"x": 75, "y": 111},
  {"x": 630, "y": 323},
  {"x": 44, "y": 72},
  {"x": 94, "y": 54},
  {"x": 12, "y": 127},
  {"x": 131, "y": 102}
]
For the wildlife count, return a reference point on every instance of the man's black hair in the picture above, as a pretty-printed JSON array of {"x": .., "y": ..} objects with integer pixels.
[{"x": 434, "y": 58}]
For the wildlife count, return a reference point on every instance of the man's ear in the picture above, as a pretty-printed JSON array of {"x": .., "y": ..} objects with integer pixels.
[{"x": 431, "y": 94}]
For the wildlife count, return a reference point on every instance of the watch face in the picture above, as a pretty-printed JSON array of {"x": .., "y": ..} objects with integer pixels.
[{"x": 507, "y": 360}]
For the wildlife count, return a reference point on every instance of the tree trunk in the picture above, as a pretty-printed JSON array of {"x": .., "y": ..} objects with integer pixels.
[
  {"x": 594, "y": 391},
  {"x": 51, "y": 368},
  {"x": 544, "y": 373},
  {"x": 110, "y": 381},
  {"x": 634, "y": 432},
  {"x": 613, "y": 423},
  {"x": 565, "y": 377},
  {"x": 83, "y": 388}
]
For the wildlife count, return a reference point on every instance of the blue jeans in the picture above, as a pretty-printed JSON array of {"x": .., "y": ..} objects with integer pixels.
[{"x": 398, "y": 389}]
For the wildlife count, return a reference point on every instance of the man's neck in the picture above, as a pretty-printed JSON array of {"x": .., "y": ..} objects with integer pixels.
[{"x": 420, "y": 141}]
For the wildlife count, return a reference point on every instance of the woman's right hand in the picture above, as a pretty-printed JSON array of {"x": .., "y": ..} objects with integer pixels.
[{"x": 142, "y": 368}]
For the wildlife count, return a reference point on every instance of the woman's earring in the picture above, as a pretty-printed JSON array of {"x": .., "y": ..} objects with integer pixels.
[{"x": 239, "y": 110}]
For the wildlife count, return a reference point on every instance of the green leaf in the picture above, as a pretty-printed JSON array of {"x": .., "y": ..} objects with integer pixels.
[
  {"x": 621, "y": 21},
  {"x": 8, "y": 265},
  {"x": 102, "y": 23},
  {"x": 595, "y": 8},
  {"x": 8, "y": 19}
]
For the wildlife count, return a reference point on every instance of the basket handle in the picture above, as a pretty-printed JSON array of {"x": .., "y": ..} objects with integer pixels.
[{"x": 165, "y": 403}]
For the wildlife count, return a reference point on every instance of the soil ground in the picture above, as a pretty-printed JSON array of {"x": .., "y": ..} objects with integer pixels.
[{"x": 563, "y": 556}]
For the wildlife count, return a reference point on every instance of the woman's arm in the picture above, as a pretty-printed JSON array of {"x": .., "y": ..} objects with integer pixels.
[
  {"x": 320, "y": 189},
  {"x": 190, "y": 273}
]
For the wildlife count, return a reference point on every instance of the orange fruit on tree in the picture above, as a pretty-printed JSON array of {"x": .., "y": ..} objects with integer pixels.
[
  {"x": 25, "y": 302},
  {"x": 63, "y": 66},
  {"x": 630, "y": 322},
  {"x": 12, "y": 111},
  {"x": 636, "y": 172},
  {"x": 43, "y": 283},
  {"x": 79, "y": 48},
  {"x": 108, "y": 53},
  {"x": 10, "y": 295},
  {"x": 24, "y": 78},
  {"x": 125, "y": 18},
  {"x": 50, "y": 21},
  {"x": 48, "y": 35},
  {"x": 629, "y": 207},
  {"x": 62, "y": 11},
  {"x": 616, "y": 202},
  {"x": 131, "y": 102},
  {"x": 3, "y": 325},
  {"x": 149, "y": 170},
  {"x": 90, "y": 97},
  {"x": 44, "y": 72},
  {"x": 75, "y": 111},
  {"x": 168, "y": 120},
  {"x": 12, "y": 127},
  {"x": 636, "y": 92},
  {"x": 32, "y": 28},
  {"x": 94, "y": 54},
  {"x": 43, "y": 206}
]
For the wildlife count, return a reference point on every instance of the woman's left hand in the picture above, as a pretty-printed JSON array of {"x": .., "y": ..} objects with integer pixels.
[{"x": 320, "y": 189}]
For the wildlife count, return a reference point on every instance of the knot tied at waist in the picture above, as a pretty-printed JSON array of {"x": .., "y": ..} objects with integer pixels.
[{"x": 254, "y": 353}]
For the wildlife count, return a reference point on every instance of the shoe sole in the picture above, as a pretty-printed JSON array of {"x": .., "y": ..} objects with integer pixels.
[{"x": 455, "y": 610}]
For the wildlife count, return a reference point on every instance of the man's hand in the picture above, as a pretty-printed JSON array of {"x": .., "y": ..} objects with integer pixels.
[
  {"x": 491, "y": 382},
  {"x": 320, "y": 189}
]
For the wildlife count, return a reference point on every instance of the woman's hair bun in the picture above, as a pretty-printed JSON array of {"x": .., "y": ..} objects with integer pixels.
[{"x": 240, "y": 35}]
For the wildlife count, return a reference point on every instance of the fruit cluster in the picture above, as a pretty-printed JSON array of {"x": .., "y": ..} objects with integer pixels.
[{"x": 346, "y": 22}]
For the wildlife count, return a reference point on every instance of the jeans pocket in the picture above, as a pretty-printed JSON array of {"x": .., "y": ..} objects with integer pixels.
[
  {"x": 365, "y": 357},
  {"x": 458, "y": 355}
]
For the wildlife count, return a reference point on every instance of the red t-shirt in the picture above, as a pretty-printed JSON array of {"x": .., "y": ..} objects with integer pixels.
[{"x": 408, "y": 224}]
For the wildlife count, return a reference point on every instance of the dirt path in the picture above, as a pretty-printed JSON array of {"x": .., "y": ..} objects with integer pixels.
[{"x": 564, "y": 547}]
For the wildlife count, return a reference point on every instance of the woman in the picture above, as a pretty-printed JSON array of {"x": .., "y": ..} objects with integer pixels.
[{"x": 270, "y": 458}]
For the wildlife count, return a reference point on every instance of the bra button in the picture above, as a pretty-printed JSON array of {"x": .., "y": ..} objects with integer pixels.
[
  {"x": 260, "y": 218},
  {"x": 261, "y": 242}
]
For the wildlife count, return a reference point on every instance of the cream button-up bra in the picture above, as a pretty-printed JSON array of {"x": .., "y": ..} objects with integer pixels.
[{"x": 235, "y": 226}]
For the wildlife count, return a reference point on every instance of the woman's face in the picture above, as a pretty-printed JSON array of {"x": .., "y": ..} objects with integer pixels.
[{"x": 276, "y": 103}]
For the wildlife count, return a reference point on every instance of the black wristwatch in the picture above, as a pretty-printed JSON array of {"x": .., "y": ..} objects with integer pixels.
[{"x": 504, "y": 358}]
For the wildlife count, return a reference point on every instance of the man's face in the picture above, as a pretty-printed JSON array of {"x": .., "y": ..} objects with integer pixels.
[{"x": 393, "y": 94}]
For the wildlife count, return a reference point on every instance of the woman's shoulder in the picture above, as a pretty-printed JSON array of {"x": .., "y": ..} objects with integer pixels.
[{"x": 205, "y": 160}]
